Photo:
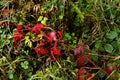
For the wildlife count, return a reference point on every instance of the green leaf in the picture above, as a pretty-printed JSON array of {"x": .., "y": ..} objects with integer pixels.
[
  {"x": 7, "y": 42},
  {"x": 115, "y": 46},
  {"x": 24, "y": 64},
  {"x": 111, "y": 35},
  {"x": 1, "y": 31},
  {"x": 73, "y": 34},
  {"x": 21, "y": 21},
  {"x": 118, "y": 43},
  {"x": 80, "y": 14},
  {"x": 34, "y": 63},
  {"x": 118, "y": 61},
  {"x": 68, "y": 58},
  {"x": 98, "y": 44},
  {"x": 9, "y": 36},
  {"x": 39, "y": 59},
  {"x": 118, "y": 75},
  {"x": 61, "y": 16},
  {"x": 108, "y": 48},
  {"x": 14, "y": 19},
  {"x": 116, "y": 29},
  {"x": 117, "y": 1},
  {"x": 10, "y": 74},
  {"x": 67, "y": 36},
  {"x": 29, "y": 74},
  {"x": 101, "y": 74},
  {"x": 28, "y": 34},
  {"x": 25, "y": 51},
  {"x": 95, "y": 56}
]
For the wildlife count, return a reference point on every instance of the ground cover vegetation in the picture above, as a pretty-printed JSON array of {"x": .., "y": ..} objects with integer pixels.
[{"x": 59, "y": 39}]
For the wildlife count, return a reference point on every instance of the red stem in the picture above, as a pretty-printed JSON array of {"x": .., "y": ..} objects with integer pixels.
[
  {"x": 53, "y": 56},
  {"x": 95, "y": 64}
]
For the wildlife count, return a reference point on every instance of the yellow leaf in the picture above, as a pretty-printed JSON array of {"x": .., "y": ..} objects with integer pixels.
[
  {"x": 45, "y": 19},
  {"x": 26, "y": 37},
  {"x": 28, "y": 33},
  {"x": 40, "y": 36},
  {"x": 33, "y": 37},
  {"x": 43, "y": 22},
  {"x": 40, "y": 18},
  {"x": 28, "y": 42}
]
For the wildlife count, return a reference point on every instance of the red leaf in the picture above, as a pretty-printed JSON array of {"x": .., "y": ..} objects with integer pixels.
[
  {"x": 43, "y": 50},
  {"x": 56, "y": 51},
  {"x": 81, "y": 74},
  {"x": 37, "y": 28},
  {"x": 18, "y": 37},
  {"x": 36, "y": 50},
  {"x": 60, "y": 33},
  {"x": 109, "y": 69},
  {"x": 52, "y": 36},
  {"x": 81, "y": 71},
  {"x": 81, "y": 61},
  {"x": 5, "y": 12},
  {"x": 19, "y": 27},
  {"x": 79, "y": 50},
  {"x": 90, "y": 77},
  {"x": 82, "y": 77}
]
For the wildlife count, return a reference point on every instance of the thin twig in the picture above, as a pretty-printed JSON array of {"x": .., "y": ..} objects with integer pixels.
[{"x": 3, "y": 72}]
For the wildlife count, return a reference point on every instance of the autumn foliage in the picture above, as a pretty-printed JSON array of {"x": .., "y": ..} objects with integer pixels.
[
  {"x": 50, "y": 38},
  {"x": 59, "y": 40}
]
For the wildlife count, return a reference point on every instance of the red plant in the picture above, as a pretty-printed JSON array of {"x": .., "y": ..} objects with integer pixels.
[
  {"x": 109, "y": 69},
  {"x": 90, "y": 77},
  {"x": 18, "y": 37},
  {"x": 81, "y": 61},
  {"x": 81, "y": 73},
  {"x": 60, "y": 33},
  {"x": 36, "y": 50},
  {"x": 80, "y": 53},
  {"x": 19, "y": 27},
  {"x": 79, "y": 49},
  {"x": 56, "y": 51},
  {"x": 37, "y": 28},
  {"x": 81, "y": 56},
  {"x": 43, "y": 50},
  {"x": 49, "y": 37},
  {"x": 40, "y": 50}
]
